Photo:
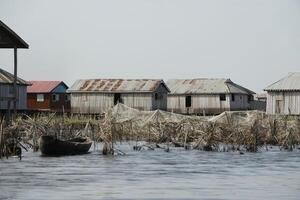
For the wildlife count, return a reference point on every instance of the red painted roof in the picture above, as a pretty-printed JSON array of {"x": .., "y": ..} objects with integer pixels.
[{"x": 42, "y": 86}]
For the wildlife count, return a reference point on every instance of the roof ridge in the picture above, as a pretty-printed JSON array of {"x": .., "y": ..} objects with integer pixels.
[{"x": 286, "y": 80}]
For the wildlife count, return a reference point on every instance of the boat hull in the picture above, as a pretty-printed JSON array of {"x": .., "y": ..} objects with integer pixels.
[{"x": 50, "y": 146}]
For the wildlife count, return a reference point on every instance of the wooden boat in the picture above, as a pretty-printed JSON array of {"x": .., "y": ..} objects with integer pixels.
[{"x": 49, "y": 145}]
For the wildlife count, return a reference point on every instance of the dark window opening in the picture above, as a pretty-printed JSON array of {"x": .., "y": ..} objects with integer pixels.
[
  {"x": 250, "y": 98},
  {"x": 55, "y": 97},
  {"x": 222, "y": 97},
  {"x": 158, "y": 96},
  {"x": 232, "y": 97},
  {"x": 67, "y": 97},
  {"x": 117, "y": 98},
  {"x": 188, "y": 101}
]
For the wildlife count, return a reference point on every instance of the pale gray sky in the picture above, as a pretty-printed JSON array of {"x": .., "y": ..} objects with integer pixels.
[{"x": 253, "y": 42}]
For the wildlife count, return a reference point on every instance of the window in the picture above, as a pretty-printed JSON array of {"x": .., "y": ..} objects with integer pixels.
[
  {"x": 250, "y": 98},
  {"x": 222, "y": 97},
  {"x": 55, "y": 97},
  {"x": 232, "y": 97},
  {"x": 40, "y": 97},
  {"x": 67, "y": 97},
  {"x": 188, "y": 101},
  {"x": 117, "y": 98}
]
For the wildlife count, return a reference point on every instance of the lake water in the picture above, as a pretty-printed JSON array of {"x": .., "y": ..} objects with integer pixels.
[{"x": 157, "y": 174}]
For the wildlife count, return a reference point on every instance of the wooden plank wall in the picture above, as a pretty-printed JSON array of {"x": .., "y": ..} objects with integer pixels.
[
  {"x": 291, "y": 102},
  {"x": 240, "y": 102},
  {"x": 208, "y": 104},
  {"x": 100, "y": 102},
  {"x": 22, "y": 96}
]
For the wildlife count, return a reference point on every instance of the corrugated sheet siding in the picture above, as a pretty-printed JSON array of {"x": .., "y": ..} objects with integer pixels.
[
  {"x": 210, "y": 104},
  {"x": 290, "y": 102},
  {"x": 22, "y": 97}
]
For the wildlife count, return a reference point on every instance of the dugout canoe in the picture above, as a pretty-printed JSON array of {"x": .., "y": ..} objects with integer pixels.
[{"x": 51, "y": 146}]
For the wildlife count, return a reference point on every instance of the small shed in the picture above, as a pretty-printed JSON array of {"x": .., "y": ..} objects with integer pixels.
[
  {"x": 7, "y": 92},
  {"x": 98, "y": 95},
  {"x": 283, "y": 96},
  {"x": 48, "y": 96},
  {"x": 207, "y": 96}
]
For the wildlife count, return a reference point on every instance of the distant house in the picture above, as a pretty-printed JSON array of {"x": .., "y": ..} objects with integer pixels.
[
  {"x": 207, "y": 96},
  {"x": 7, "y": 92},
  {"x": 48, "y": 96},
  {"x": 283, "y": 96},
  {"x": 98, "y": 95},
  {"x": 259, "y": 102},
  {"x": 261, "y": 97}
]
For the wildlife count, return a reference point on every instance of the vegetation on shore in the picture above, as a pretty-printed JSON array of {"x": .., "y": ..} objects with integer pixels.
[{"x": 229, "y": 131}]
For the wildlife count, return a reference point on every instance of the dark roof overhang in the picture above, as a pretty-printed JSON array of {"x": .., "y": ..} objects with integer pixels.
[{"x": 9, "y": 39}]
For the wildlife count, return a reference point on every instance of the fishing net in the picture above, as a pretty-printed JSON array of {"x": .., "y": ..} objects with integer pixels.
[{"x": 232, "y": 129}]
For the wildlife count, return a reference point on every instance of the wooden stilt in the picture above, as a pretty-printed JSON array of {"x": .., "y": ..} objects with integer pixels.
[{"x": 15, "y": 82}]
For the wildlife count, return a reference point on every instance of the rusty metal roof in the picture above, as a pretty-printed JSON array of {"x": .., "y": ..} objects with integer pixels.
[
  {"x": 8, "y": 78},
  {"x": 9, "y": 39},
  {"x": 43, "y": 86},
  {"x": 116, "y": 85},
  {"x": 206, "y": 86},
  {"x": 288, "y": 83}
]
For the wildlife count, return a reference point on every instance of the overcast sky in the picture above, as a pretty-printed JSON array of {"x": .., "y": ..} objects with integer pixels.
[{"x": 253, "y": 42}]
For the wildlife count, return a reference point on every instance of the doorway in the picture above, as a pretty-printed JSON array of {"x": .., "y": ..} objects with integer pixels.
[
  {"x": 279, "y": 107},
  {"x": 117, "y": 98}
]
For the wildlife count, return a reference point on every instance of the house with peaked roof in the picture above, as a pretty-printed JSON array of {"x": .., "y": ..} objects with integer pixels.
[
  {"x": 207, "y": 96},
  {"x": 93, "y": 96},
  {"x": 48, "y": 96},
  {"x": 283, "y": 96},
  {"x": 7, "y": 92}
]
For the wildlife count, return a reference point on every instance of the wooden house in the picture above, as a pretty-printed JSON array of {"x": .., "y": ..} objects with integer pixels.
[
  {"x": 10, "y": 40},
  {"x": 7, "y": 92},
  {"x": 207, "y": 96},
  {"x": 98, "y": 95},
  {"x": 283, "y": 96},
  {"x": 48, "y": 96}
]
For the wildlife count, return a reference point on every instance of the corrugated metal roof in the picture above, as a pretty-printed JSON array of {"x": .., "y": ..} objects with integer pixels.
[
  {"x": 9, "y": 39},
  {"x": 205, "y": 86},
  {"x": 8, "y": 78},
  {"x": 116, "y": 85},
  {"x": 288, "y": 83},
  {"x": 42, "y": 86}
]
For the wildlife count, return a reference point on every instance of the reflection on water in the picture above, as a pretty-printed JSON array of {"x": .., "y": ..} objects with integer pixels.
[{"x": 177, "y": 174}]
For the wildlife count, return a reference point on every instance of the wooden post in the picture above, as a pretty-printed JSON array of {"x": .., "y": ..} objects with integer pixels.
[
  {"x": 8, "y": 117},
  {"x": 15, "y": 81}
]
